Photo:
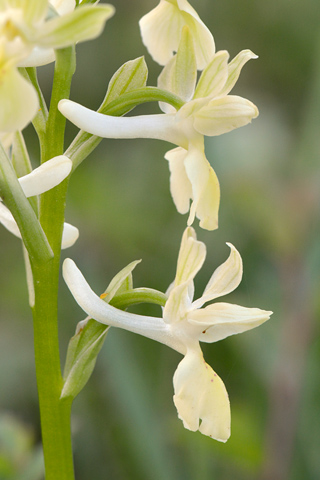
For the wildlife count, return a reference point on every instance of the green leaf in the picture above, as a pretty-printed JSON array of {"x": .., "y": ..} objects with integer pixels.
[
  {"x": 130, "y": 76},
  {"x": 82, "y": 354}
]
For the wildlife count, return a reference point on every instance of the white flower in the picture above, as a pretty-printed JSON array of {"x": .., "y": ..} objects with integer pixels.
[
  {"x": 199, "y": 394},
  {"x": 40, "y": 180},
  {"x": 209, "y": 110},
  {"x": 161, "y": 31},
  {"x": 27, "y": 38}
]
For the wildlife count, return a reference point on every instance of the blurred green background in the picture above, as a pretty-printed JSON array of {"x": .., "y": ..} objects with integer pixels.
[{"x": 125, "y": 424}]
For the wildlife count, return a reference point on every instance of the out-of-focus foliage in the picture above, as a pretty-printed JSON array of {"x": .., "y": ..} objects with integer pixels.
[{"x": 125, "y": 423}]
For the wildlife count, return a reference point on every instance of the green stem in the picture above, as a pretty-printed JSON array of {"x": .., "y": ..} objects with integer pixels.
[{"x": 54, "y": 413}]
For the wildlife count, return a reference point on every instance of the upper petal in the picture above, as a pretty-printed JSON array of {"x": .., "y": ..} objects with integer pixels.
[
  {"x": 224, "y": 280},
  {"x": 161, "y": 31},
  {"x": 200, "y": 395},
  {"x": 223, "y": 114},
  {"x": 191, "y": 257},
  {"x": 220, "y": 320}
]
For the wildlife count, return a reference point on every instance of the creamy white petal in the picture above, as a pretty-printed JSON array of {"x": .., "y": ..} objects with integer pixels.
[
  {"x": 95, "y": 307},
  {"x": 205, "y": 189},
  {"x": 47, "y": 176},
  {"x": 38, "y": 57},
  {"x": 223, "y": 114},
  {"x": 220, "y": 320},
  {"x": 224, "y": 280},
  {"x": 18, "y": 99},
  {"x": 180, "y": 185},
  {"x": 160, "y": 126},
  {"x": 70, "y": 235},
  {"x": 191, "y": 257},
  {"x": 200, "y": 395},
  {"x": 161, "y": 31}
]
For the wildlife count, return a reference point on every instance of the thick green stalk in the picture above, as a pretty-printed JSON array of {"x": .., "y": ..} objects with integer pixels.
[{"x": 54, "y": 413}]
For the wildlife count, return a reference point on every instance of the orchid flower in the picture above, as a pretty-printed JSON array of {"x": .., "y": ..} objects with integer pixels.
[
  {"x": 28, "y": 36},
  {"x": 199, "y": 394},
  {"x": 208, "y": 110},
  {"x": 161, "y": 31},
  {"x": 40, "y": 180}
]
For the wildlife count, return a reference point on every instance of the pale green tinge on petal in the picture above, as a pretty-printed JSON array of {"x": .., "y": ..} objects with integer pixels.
[
  {"x": 185, "y": 73},
  {"x": 178, "y": 303},
  {"x": 220, "y": 320},
  {"x": 234, "y": 69},
  {"x": 161, "y": 31},
  {"x": 191, "y": 257},
  {"x": 200, "y": 395},
  {"x": 34, "y": 11},
  {"x": 70, "y": 235},
  {"x": 224, "y": 280},
  {"x": 180, "y": 185},
  {"x": 18, "y": 100},
  {"x": 179, "y": 76},
  {"x": 213, "y": 77},
  {"x": 47, "y": 176},
  {"x": 84, "y": 23},
  {"x": 224, "y": 114},
  {"x": 205, "y": 189}
]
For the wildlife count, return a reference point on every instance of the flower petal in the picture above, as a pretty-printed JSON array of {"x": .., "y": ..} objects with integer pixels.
[
  {"x": 70, "y": 235},
  {"x": 38, "y": 57},
  {"x": 161, "y": 32},
  {"x": 179, "y": 76},
  {"x": 191, "y": 257},
  {"x": 180, "y": 186},
  {"x": 234, "y": 69},
  {"x": 98, "y": 309},
  {"x": 205, "y": 189},
  {"x": 120, "y": 282},
  {"x": 47, "y": 176},
  {"x": 220, "y": 320},
  {"x": 213, "y": 77},
  {"x": 223, "y": 114},
  {"x": 200, "y": 394},
  {"x": 82, "y": 24},
  {"x": 224, "y": 280},
  {"x": 18, "y": 100}
]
